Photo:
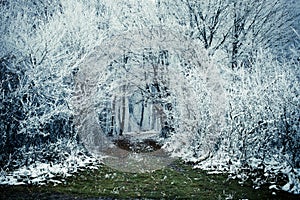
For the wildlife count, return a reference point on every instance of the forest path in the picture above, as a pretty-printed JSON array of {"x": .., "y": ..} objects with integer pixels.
[
  {"x": 132, "y": 162},
  {"x": 136, "y": 153},
  {"x": 129, "y": 159}
]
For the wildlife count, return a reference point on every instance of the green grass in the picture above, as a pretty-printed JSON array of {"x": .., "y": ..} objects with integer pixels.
[{"x": 178, "y": 181}]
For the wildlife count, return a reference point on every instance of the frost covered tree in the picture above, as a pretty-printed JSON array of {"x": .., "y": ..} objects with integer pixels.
[
  {"x": 41, "y": 44},
  {"x": 263, "y": 111},
  {"x": 235, "y": 30},
  {"x": 259, "y": 24},
  {"x": 255, "y": 136}
]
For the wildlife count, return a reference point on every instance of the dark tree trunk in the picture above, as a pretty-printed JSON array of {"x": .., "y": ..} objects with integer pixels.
[
  {"x": 142, "y": 115},
  {"x": 113, "y": 113},
  {"x": 123, "y": 112}
]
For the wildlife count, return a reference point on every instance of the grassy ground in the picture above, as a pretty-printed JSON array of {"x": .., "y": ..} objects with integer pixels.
[{"x": 178, "y": 181}]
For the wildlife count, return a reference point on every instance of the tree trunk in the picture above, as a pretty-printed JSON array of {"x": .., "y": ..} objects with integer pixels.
[
  {"x": 142, "y": 116},
  {"x": 113, "y": 113},
  {"x": 235, "y": 35},
  {"x": 123, "y": 110}
]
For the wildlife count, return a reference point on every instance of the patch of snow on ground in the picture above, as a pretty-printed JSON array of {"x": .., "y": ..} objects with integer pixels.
[
  {"x": 272, "y": 168},
  {"x": 43, "y": 173}
]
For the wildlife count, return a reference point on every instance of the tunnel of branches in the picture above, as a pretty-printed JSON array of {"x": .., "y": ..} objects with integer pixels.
[
  {"x": 137, "y": 100},
  {"x": 134, "y": 86}
]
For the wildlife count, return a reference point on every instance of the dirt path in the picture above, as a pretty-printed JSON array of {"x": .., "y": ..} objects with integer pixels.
[{"x": 132, "y": 162}]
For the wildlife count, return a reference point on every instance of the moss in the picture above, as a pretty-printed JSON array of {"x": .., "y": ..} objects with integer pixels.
[{"x": 178, "y": 181}]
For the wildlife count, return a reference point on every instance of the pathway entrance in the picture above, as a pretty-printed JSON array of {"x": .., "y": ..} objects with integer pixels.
[{"x": 136, "y": 153}]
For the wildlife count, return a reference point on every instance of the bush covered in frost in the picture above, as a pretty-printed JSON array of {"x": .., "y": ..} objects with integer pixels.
[
  {"x": 41, "y": 43},
  {"x": 260, "y": 133}
]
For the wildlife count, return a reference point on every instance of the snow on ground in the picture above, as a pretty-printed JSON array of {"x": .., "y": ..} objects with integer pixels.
[
  {"x": 271, "y": 169},
  {"x": 42, "y": 173}
]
